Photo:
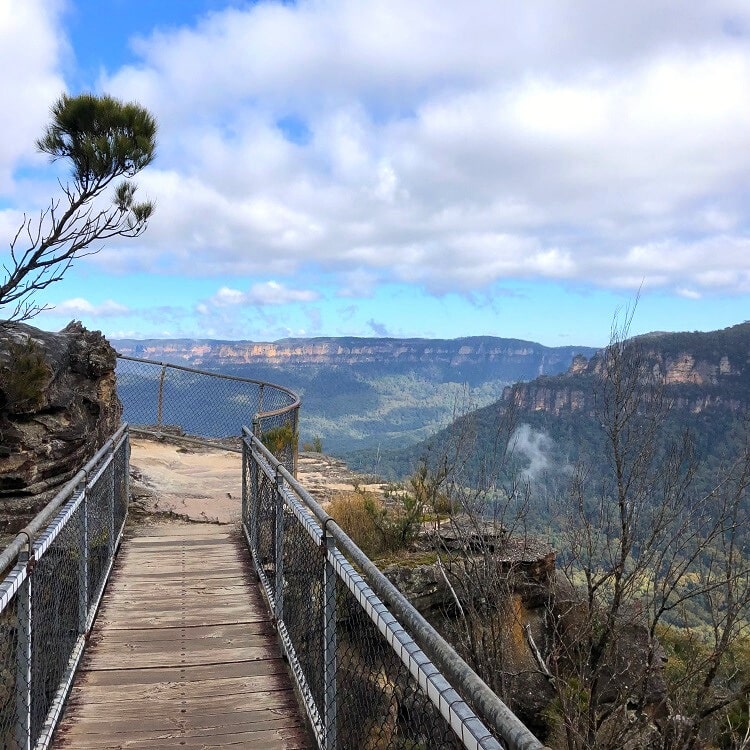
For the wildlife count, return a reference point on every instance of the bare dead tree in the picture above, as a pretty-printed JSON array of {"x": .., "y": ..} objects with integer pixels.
[
  {"x": 485, "y": 554},
  {"x": 641, "y": 546},
  {"x": 102, "y": 139}
]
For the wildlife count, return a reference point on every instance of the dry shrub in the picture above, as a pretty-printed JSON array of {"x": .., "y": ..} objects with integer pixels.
[{"x": 357, "y": 513}]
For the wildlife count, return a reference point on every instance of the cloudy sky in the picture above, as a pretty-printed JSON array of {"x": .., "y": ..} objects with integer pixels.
[{"x": 402, "y": 167}]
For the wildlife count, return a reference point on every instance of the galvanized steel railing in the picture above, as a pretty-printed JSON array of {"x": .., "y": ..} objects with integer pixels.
[
  {"x": 208, "y": 405},
  {"x": 48, "y": 600},
  {"x": 370, "y": 669}
]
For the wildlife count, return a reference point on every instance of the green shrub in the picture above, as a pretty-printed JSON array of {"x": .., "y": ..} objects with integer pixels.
[
  {"x": 375, "y": 528},
  {"x": 24, "y": 379},
  {"x": 280, "y": 440},
  {"x": 316, "y": 446}
]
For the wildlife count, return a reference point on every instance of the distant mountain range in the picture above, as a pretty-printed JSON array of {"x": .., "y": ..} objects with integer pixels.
[
  {"x": 474, "y": 356},
  {"x": 372, "y": 392},
  {"x": 707, "y": 384},
  {"x": 702, "y": 371},
  {"x": 380, "y": 403}
]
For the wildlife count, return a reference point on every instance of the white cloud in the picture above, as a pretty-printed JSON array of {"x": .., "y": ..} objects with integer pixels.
[
  {"x": 227, "y": 297},
  {"x": 82, "y": 307},
  {"x": 30, "y": 54},
  {"x": 689, "y": 293},
  {"x": 267, "y": 293},
  {"x": 486, "y": 140}
]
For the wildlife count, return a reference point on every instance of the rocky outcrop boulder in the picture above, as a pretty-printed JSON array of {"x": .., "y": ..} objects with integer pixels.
[{"x": 58, "y": 405}]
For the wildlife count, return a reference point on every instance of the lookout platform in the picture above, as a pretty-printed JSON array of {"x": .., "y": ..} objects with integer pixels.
[{"x": 183, "y": 653}]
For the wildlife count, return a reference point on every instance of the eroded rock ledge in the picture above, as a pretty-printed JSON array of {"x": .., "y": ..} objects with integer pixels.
[{"x": 58, "y": 405}]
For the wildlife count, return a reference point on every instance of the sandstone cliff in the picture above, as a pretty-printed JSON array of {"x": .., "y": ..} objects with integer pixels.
[
  {"x": 58, "y": 404},
  {"x": 455, "y": 353},
  {"x": 701, "y": 371}
]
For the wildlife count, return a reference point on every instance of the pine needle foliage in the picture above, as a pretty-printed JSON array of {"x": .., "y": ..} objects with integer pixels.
[{"x": 103, "y": 139}]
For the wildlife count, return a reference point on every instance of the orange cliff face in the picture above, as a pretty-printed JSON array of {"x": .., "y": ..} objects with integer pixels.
[
  {"x": 568, "y": 393},
  {"x": 348, "y": 351}
]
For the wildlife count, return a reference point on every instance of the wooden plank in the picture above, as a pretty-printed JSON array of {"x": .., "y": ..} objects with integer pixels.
[
  {"x": 291, "y": 738},
  {"x": 234, "y": 588},
  {"x": 186, "y": 708},
  {"x": 98, "y": 680},
  {"x": 211, "y": 631},
  {"x": 162, "y": 658},
  {"x": 175, "y": 689}
]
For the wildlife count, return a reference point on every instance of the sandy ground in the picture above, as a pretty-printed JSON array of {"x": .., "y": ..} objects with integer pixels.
[
  {"x": 201, "y": 484},
  {"x": 205, "y": 484}
]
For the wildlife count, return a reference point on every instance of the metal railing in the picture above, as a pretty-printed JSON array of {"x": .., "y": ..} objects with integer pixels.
[
  {"x": 158, "y": 396},
  {"x": 49, "y": 598},
  {"x": 369, "y": 668}
]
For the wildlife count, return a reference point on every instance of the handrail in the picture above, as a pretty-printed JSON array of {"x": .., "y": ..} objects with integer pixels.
[
  {"x": 296, "y": 399},
  {"x": 202, "y": 410},
  {"x": 489, "y": 706}
]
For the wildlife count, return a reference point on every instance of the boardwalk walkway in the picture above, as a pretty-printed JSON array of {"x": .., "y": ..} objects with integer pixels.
[{"x": 183, "y": 654}]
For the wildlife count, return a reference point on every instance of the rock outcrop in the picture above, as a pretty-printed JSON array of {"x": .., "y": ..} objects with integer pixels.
[
  {"x": 519, "y": 358},
  {"x": 515, "y": 603},
  {"x": 700, "y": 371},
  {"x": 58, "y": 404}
]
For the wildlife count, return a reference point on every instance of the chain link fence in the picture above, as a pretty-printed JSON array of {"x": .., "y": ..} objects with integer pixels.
[
  {"x": 371, "y": 671},
  {"x": 58, "y": 567},
  {"x": 161, "y": 398}
]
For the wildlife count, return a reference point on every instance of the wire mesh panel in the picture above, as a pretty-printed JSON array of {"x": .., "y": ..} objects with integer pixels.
[
  {"x": 365, "y": 681},
  {"x": 56, "y": 626},
  {"x": 9, "y": 675},
  {"x": 207, "y": 405},
  {"x": 264, "y": 519},
  {"x": 380, "y": 704},
  {"x": 138, "y": 387},
  {"x": 303, "y": 602},
  {"x": 120, "y": 468},
  {"x": 48, "y": 600},
  {"x": 100, "y": 529}
]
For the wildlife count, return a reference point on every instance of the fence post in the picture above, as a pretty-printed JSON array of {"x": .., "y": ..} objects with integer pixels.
[
  {"x": 160, "y": 401},
  {"x": 295, "y": 431},
  {"x": 83, "y": 562},
  {"x": 111, "y": 492},
  {"x": 127, "y": 476},
  {"x": 243, "y": 510},
  {"x": 260, "y": 405},
  {"x": 254, "y": 505},
  {"x": 279, "y": 547},
  {"x": 126, "y": 486},
  {"x": 23, "y": 661},
  {"x": 329, "y": 646}
]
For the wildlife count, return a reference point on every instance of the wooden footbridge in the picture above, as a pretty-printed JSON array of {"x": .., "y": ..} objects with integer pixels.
[{"x": 183, "y": 653}]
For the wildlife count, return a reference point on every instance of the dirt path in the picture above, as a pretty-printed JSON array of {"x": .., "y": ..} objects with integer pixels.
[
  {"x": 200, "y": 484},
  {"x": 205, "y": 484}
]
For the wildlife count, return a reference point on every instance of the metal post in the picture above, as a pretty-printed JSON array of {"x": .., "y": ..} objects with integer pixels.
[
  {"x": 83, "y": 563},
  {"x": 23, "y": 662},
  {"x": 279, "y": 527},
  {"x": 254, "y": 502},
  {"x": 329, "y": 647},
  {"x": 243, "y": 512},
  {"x": 126, "y": 469},
  {"x": 111, "y": 493},
  {"x": 160, "y": 401},
  {"x": 295, "y": 456}
]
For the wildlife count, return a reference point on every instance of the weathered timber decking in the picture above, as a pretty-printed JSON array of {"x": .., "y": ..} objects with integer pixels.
[{"x": 183, "y": 654}]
